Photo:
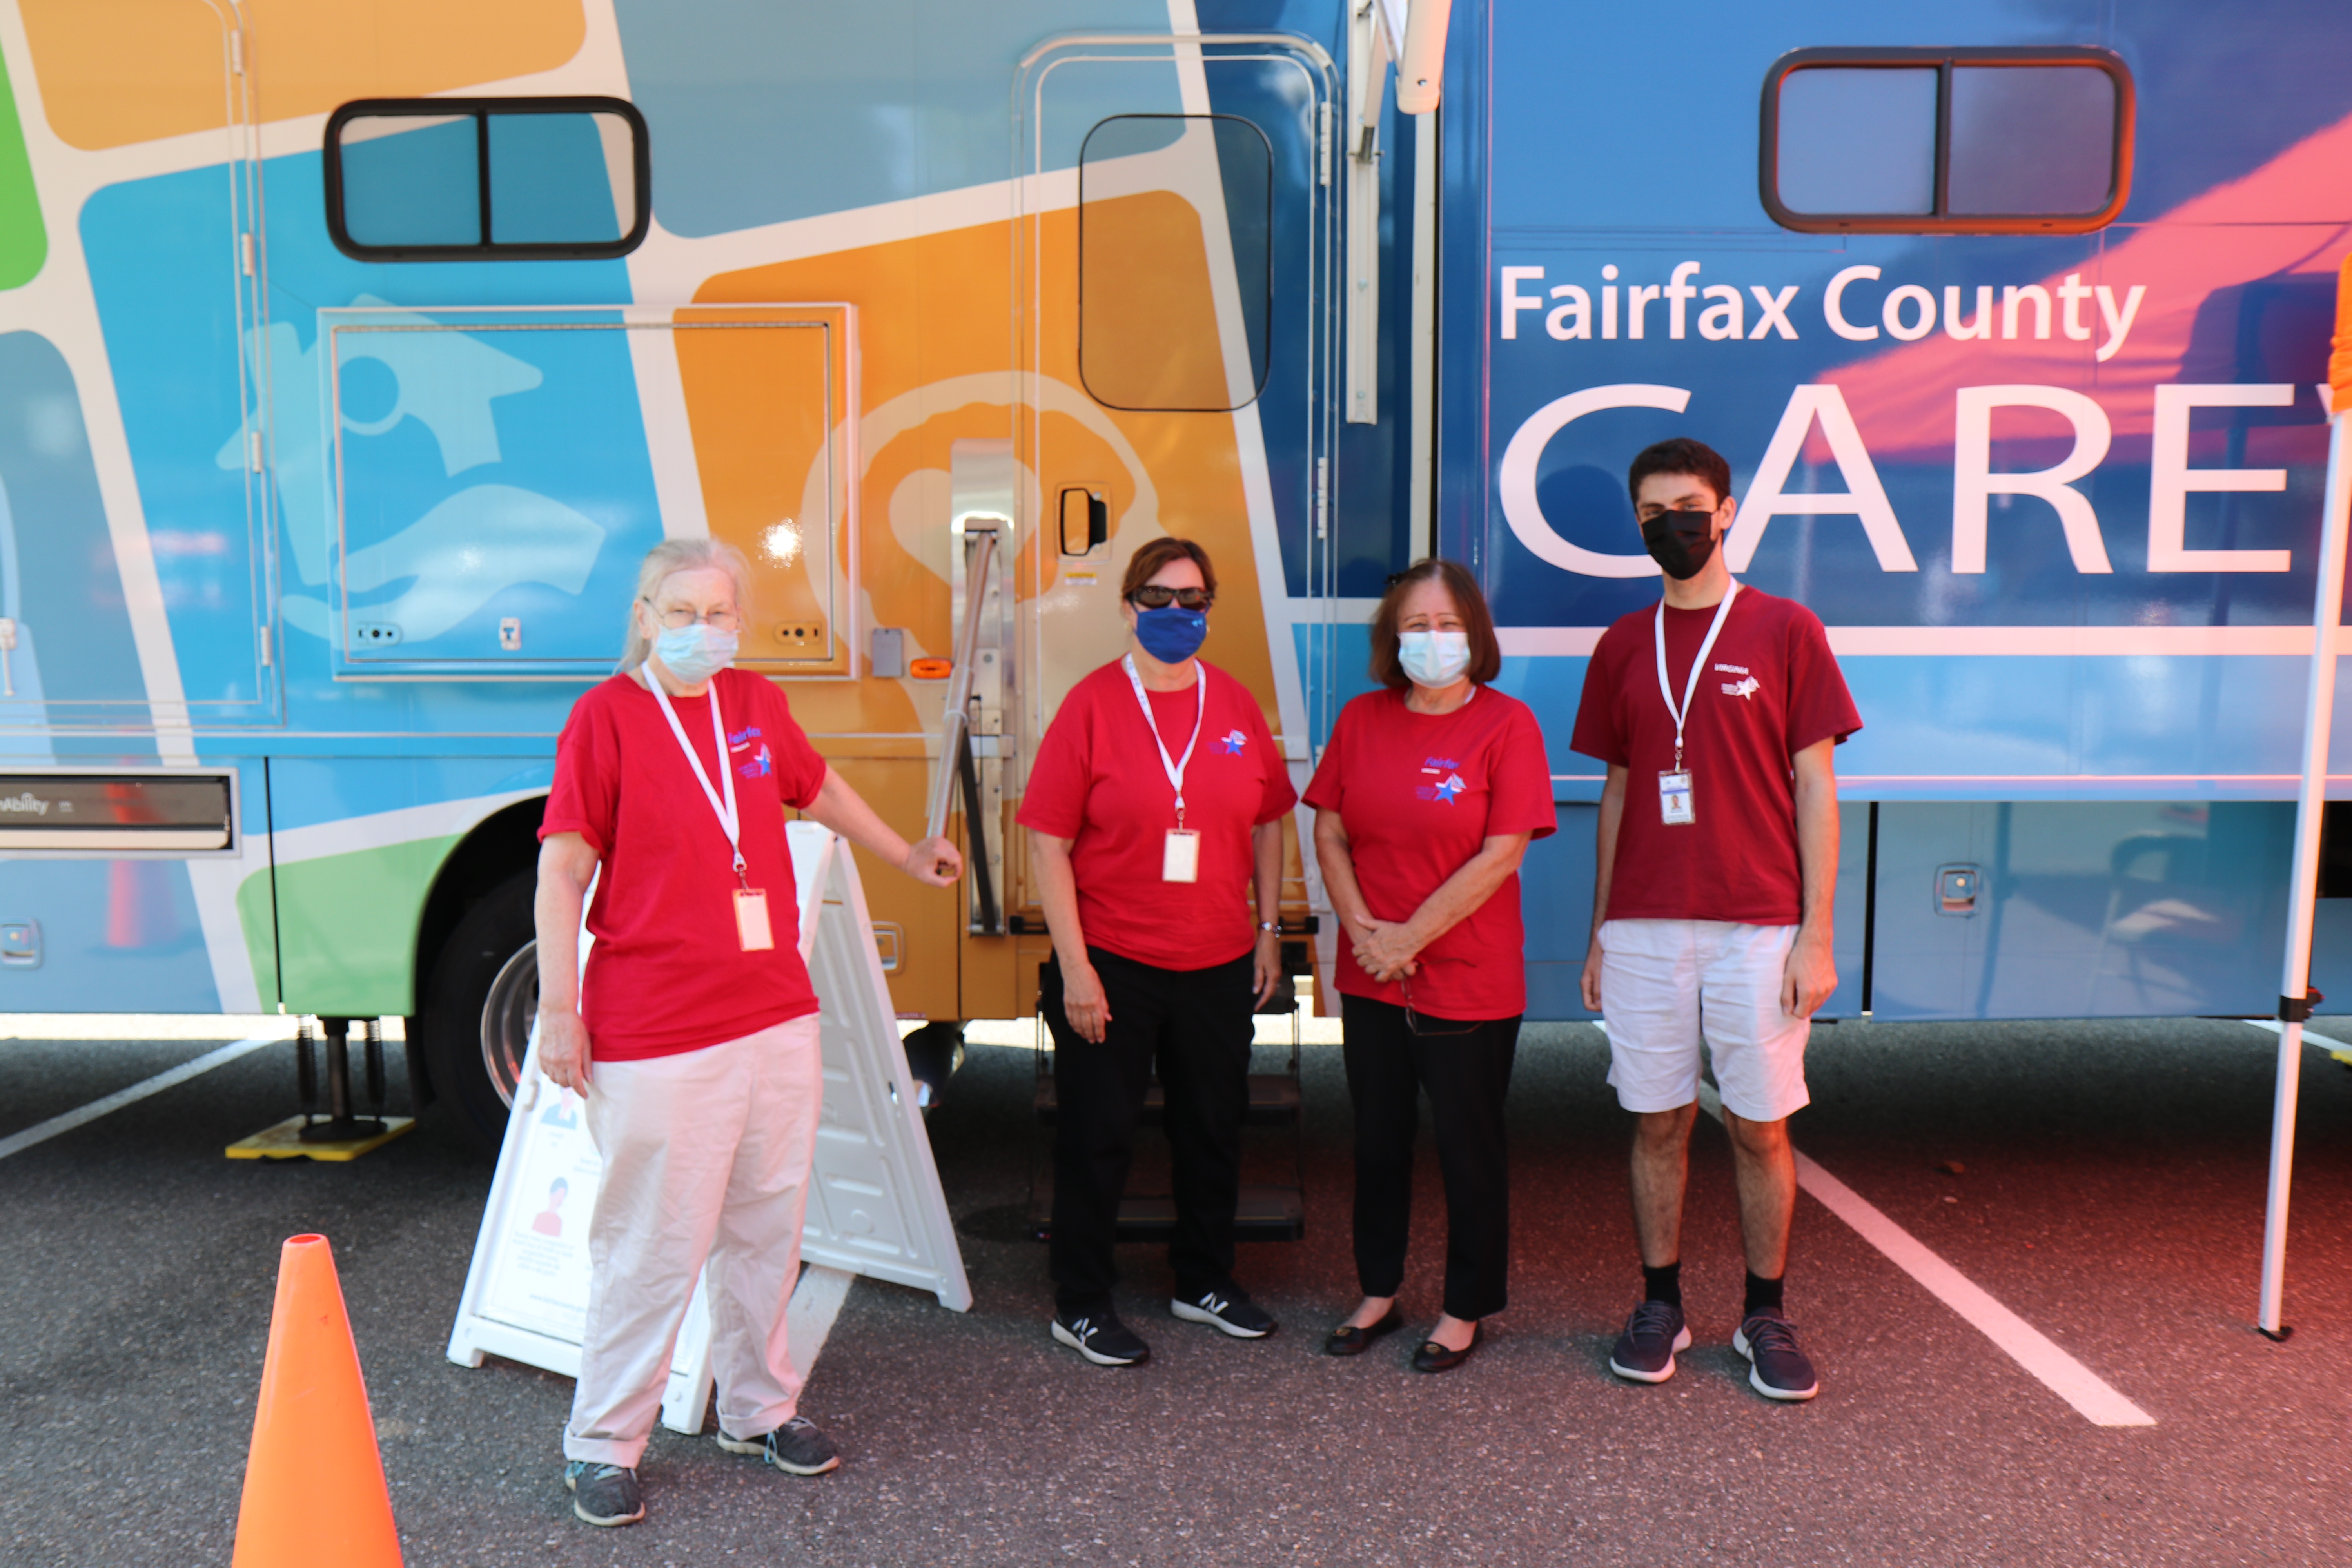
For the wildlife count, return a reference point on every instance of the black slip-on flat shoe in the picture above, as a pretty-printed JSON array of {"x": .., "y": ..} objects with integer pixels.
[
  {"x": 1434, "y": 1357},
  {"x": 1345, "y": 1340}
]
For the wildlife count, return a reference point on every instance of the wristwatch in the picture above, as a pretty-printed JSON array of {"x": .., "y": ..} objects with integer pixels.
[{"x": 1273, "y": 926}]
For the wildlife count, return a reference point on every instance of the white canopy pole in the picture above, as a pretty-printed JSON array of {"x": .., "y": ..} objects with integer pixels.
[{"x": 2294, "y": 1005}]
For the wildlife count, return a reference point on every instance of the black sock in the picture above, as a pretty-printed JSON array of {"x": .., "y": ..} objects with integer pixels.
[
  {"x": 1663, "y": 1284},
  {"x": 1763, "y": 1295}
]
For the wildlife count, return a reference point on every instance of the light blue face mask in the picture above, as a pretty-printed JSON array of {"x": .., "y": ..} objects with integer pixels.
[
  {"x": 1433, "y": 660},
  {"x": 695, "y": 653}
]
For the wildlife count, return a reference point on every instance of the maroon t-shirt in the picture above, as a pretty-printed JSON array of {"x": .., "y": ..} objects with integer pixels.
[
  {"x": 1419, "y": 794},
  {"x": 1770, "y": 689},
  {"x": 1098, "y": 781},
  {"x": 668, "y": 972}
]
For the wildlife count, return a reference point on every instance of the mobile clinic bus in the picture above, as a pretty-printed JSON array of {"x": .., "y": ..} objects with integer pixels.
[{"x": 352, "y": 355}]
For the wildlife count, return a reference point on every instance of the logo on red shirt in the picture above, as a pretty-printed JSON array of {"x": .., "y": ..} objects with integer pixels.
[
  {"x": 1447, "y": 788},
  {"x": 1233, "y": 743},
  {"x": 759, "y": 763}
]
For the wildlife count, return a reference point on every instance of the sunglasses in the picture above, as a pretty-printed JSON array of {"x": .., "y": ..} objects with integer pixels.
[{"x": 1152, "y": 596}]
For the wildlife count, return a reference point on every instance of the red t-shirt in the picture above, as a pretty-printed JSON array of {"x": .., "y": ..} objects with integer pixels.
[
  {"x": 1419, "y": 794},
  {"x": 1771, "y": 689},
  {"x": 1098, "y": 782},
  {"x": 668, "y": 972}
]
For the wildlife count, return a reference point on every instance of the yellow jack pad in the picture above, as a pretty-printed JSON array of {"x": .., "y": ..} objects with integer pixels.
[{"x": 284, "y": 1142}]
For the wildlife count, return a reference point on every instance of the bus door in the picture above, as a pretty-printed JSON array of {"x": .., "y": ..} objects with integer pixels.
[{"x": 1173, "y": 257}]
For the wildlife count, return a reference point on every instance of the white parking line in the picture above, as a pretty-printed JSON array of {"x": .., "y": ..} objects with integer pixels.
[
  {"x": 16, "y": 1142},
  {"x": 2028, "y": 1346},
  {"x": 2311, "y": 1036},
  {"x": 808, "y": 1318}
]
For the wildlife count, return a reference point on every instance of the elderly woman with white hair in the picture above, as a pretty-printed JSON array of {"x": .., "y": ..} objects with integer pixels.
[{"x": 696, "y": 1044}]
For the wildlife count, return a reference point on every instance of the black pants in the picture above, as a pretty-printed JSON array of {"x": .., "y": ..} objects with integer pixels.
[
  {"x": 1195, "y": 1025},
  {"x": 1466, "y": 1077}
]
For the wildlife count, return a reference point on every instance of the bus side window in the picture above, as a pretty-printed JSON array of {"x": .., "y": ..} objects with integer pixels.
[
  {"x": 487, "y": 179},
  {"x": 1175, "y": 230},
  {"x": 1946, "y": 141}
]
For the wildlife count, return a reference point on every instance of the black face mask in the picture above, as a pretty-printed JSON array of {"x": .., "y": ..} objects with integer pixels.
[{"x": 1680, "y": 543}]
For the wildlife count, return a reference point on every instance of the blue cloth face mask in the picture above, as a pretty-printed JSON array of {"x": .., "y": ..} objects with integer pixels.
[
  {"x": 1435, "y": 659},
  {"x": 695, "y": 653},
  {"x": 1171, "y": 634}
]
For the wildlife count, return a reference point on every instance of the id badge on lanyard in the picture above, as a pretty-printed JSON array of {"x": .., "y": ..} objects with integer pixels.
[
  {"x": 1676, "y": 807},
  {"x": 752, "y": 928},
  {"x": 1674, "y": 800},
  {"x": 1180, "y": 851},
  {"x": 753, "y": 933},
  {"x": 1180, "y": 856}
]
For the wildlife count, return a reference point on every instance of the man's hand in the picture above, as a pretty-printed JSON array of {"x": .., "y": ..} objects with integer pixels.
[
  {"x": 1590, "y": 981},
  {"x": 1384, "y": 950},
  {"x": 1811, "y": 973},
  {"x": 564, "y": 1049},
  {"x": 935, "y": 862},
  {"x": 1083, "y": 1001}
]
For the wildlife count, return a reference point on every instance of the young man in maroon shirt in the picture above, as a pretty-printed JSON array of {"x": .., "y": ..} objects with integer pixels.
[{"x": 1717, "y": 713}]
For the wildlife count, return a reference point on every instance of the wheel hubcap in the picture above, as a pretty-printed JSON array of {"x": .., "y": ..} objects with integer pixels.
[{"x": 507, "y": 1014}]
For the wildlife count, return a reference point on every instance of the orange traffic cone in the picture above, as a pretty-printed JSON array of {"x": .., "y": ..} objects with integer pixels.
[{"x": 314, "y": 1491}]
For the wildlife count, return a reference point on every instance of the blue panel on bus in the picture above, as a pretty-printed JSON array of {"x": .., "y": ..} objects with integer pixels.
[
  {"x": 117, "y": 936},
  {"x": 162, "y": 257},
  {"x": 2079, "y": 909},
  {"x": 331, "y": 791},
  {"x": 2009, "y": 439},
  {"x": 59, "y": 580}
]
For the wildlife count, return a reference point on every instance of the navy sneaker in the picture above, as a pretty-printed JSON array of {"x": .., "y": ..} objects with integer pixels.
[
  {"x": 1645, "y": 1351},
  {"x": 1779, "y": 1370},
  {"x": 1229, "y": 1310},
  {"x": 605, "y": 1494},
  {"x": 1102, "y": 1338},
  {"x": 796, "y": 1448}
]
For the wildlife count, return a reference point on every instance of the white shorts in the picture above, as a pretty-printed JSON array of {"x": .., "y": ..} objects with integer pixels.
[{"x": 1664, "y": 984}]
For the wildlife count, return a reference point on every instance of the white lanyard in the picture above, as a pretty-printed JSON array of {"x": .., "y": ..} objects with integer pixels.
[
  {"x": 1200, "y": 695},
  {"x": 727, "y": 819},
  {"x": 1690, "y": 687}
]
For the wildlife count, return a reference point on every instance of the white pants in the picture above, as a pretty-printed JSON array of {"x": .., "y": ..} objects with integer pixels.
[
  {"x": 1670, "y": 988},
  {"x": 706, "y": 1154}
]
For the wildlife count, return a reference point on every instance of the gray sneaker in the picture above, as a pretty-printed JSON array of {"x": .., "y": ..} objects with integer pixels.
[
  {"x": 604, "y": 1494},
  {"x": 1778, "y": 1369},
  {"x": 796, "y": 1448},
  {"x": 1645, "y": 1351}
]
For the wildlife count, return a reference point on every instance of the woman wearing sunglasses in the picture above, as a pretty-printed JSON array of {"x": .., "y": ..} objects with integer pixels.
[
  {"x": 1154, "y": 811},
  {"x": 1426, "y": 798}
]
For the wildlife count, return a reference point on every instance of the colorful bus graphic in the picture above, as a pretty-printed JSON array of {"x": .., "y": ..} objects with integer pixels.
[{"x": 351, "y": 355}]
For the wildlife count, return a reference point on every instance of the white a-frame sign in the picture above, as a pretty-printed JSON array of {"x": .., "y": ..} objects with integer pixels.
[{"x": 875, "y": 1204}]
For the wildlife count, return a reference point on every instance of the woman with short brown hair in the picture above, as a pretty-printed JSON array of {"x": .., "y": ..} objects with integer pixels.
[{"x": 1427, "y": 799}]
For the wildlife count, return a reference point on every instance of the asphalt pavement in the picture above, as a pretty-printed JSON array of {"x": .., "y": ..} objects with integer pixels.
[{"x": 2104, "y": 1182}]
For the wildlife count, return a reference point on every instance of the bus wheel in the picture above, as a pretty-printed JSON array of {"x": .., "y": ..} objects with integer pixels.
[{"x": 478, "y": 1006}]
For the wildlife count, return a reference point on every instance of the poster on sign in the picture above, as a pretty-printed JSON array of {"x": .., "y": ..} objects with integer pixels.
[{"x": 876, "y": 1206}]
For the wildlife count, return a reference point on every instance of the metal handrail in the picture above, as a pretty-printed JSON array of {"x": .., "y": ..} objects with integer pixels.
[{"x": 955, "y": 724}]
